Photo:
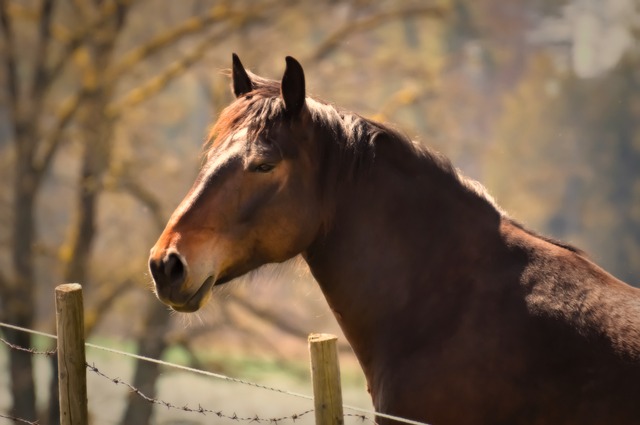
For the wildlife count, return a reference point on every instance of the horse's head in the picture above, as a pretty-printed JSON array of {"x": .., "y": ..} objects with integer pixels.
[{"x": 255, "y": 199}]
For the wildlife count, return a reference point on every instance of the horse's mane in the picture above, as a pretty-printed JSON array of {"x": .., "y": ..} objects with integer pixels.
[{"x": 355, "y": 137}]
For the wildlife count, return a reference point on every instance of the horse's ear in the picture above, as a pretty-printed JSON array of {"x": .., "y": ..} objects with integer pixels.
[
  {"x": 241, "y": 81},
  {"x": 292, "y": 89}
]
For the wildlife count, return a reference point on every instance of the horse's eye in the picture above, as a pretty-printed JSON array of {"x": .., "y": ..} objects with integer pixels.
[{"x": 263, "y": 168}]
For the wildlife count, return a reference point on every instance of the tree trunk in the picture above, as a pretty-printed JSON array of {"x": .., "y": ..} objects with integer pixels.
[
  {"x": 20, "y": 299},
  {"x": 21, "y": 366},
  {"x": 151, "y": 343},
  {"x": 96, "y": 131}
]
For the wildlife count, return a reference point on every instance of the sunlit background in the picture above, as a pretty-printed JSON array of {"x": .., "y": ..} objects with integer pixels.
[{"x": 104, "y": 105}]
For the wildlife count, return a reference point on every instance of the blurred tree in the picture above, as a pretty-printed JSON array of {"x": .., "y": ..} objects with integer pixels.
[
  {"x": 566, "y": 157},
  {"x": 546, "y": 137},
  {"x": 86, "y": 34},
  {"x": 532, "y": 137},
  {"x": 607, "y": 115},
  {"x": 25, "y": 100}
]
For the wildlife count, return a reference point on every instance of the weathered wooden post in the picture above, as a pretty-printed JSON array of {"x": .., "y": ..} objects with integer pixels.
[
  {"x": 72, "y": 365},
  {"x": 325, "y": 373}
]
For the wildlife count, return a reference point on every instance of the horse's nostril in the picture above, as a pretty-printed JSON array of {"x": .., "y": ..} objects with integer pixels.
[
  {"x": 169, "y": 271},
  {"x": 155, "y": 266},
  {"x": 174, "y": 269}
]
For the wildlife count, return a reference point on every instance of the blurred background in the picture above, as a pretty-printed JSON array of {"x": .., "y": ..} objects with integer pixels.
[{"x": 104, "y": 105}]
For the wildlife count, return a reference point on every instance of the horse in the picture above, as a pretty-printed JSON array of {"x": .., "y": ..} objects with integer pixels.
[{"x": 457, "y": 313}]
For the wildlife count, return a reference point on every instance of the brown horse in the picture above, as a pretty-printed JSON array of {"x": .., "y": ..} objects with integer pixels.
[{"x": 458, "y": 315}]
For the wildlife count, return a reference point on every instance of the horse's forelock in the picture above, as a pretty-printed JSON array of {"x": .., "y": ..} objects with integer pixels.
[{"x": 256, "y": 111}]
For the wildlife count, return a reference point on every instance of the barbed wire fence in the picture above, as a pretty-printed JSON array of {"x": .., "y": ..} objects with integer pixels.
[
  {"x": 169, "y": 405},
  {"x": 362, "y": 415}
]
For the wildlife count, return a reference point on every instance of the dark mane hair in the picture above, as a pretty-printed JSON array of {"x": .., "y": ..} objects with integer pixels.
[{"x": 354, "y": 136}]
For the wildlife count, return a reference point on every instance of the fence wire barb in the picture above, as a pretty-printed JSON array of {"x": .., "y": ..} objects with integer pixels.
[{"x": 29, "y": 350}]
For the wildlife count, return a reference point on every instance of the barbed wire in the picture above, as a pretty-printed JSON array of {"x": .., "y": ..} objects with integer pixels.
[
  {"x": 29, "y": 350},
  {"x": 199, "y": 409},
  {"x": 362, "y": 413},
  {"x": 185, "y": 408},
  {"x": 218, "y": 413},
  {"x": 18, "y": 420}
]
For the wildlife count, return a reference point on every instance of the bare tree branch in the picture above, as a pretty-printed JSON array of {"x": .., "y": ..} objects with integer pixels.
[
  {"x": 279, "y": 322},
  {"x": 107, "y": 294},
  {"x": 146, "y": 198},
  {"x": 44, "y": 36},
  {"x": 105, "y": 297},
  {"x": 54, "y": 137},
  {"x": 217, "y": 14},
  {"x": 82, "y": 7},
  {"x": 269, "y": 316},
  {"x": 403, "y": 98},
  {"x": 71, "y": 106},
  {"x": 333, "y": 40},
  {"x": 122, "y": 9},
  {"x": 159, "y": 82},
  {"x": 190, "y": 26},
  {"x": 17, "y": 10},
  {"x": 252, "y": 337},
  {"x": 77, "y": 38}
]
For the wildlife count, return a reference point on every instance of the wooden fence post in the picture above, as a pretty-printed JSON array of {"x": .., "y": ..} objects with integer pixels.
[
  {"x": 325, "y": 373},
  {"x": 72, "y": 364}
]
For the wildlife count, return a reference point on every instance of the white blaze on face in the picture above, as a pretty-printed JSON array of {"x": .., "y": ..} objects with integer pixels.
[{"x": 232, "y": 147}]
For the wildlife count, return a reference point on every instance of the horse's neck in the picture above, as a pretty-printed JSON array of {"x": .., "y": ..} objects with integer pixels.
[{"x": 396, "y": 238}]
